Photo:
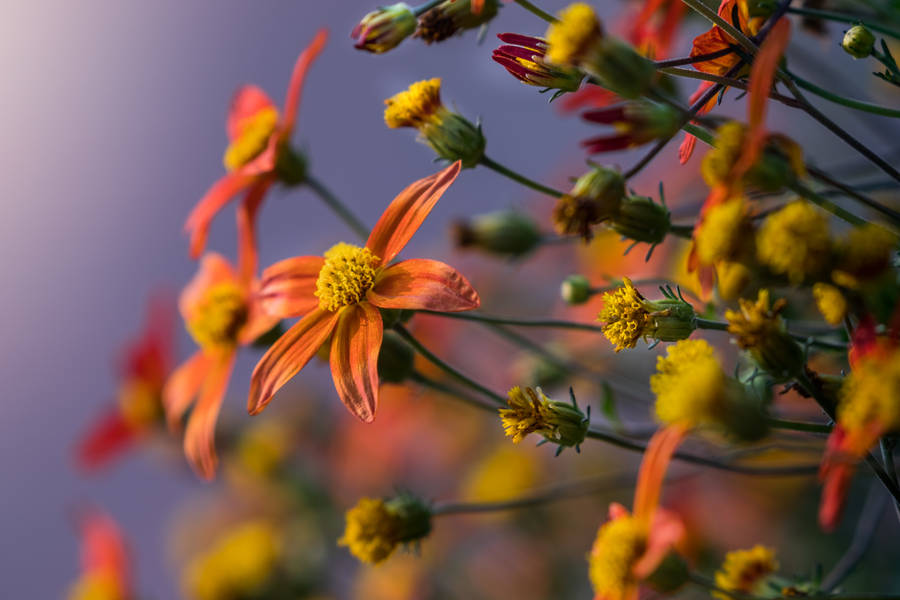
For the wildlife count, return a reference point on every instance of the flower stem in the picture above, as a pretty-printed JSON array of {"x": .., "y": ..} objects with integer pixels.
[
  {"x": 799, "y": 426},
  {"x": 729, "y": 81},
  {"x": 844, "y": 18},
  {"x": 442, "y": 387},
  {"x": 848, "y": 102},
  {"x": 690, "y": 60},
  {"x": 853, "y": 193},
  {"x": 332, "y": 202},
  {"x": 495, "y": 166},
  {"x": 700, "y": 7},
  {"x": 554, "y": 323},
  {"x": 826, "y": 204},
  {"x": 536, "y": 11},
  {"x": 806, "y": 339}
]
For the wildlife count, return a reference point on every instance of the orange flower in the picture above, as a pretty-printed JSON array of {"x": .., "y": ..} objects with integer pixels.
[
  {"x": 221, "y": 312},
  {"x": 105, "y": 568},
  {"x": 148, "y": 361},
  {"x": 630, "y": 547},
  {"x": 339, "y": 295},
  {"x": 259, "y": 153}
]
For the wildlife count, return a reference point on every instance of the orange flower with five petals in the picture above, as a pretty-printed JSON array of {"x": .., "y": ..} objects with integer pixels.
[
  {"x": 259, "y": 153},
  {"x": 339, "y": 295}
]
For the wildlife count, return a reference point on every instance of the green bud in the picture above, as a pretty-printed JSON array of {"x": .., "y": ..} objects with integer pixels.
[
  {"x": 504, "y": 233},
  {"x": 451, "y": 17},
  {"x": 453, "y": 137},
  {"x": 575, "y": 289},
  {"x": 642, "y": 220},
  {"x": 290, "y": 166},
  {"x": 858, "y": 42},
  {"x": 384, "y": 29},
  {"x": 413, "y": 517},
  {"x": 618, "y": 67}
]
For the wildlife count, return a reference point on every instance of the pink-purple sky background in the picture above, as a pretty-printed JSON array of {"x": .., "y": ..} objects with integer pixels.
[{"x": 113, "y": 126}]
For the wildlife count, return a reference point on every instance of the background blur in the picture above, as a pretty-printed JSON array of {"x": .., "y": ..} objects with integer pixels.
[{"x": 113, "y": 127}]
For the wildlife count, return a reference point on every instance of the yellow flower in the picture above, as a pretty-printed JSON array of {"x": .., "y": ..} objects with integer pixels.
[
  {"x": 870, "y": 396},
  {"x": 722, "y": 232},
  {"x": 830, "y": 302},
  {"x": 732, "y": 279},
  {"x": 415, "y": 106},
  {"x": 530, "y": 411},
  {"x": 570, "y": 39},
  {"x": 374, "y": 527},
  {"x": 863, "y": 254},
  {"x": 795, "y": 241},
  {"x": 758, "y": 328},
  {"x": 96, "y": 586},
  {"x": 744, "y": 571},
  {"x": 628, "y": 316},
  {"x": 619, "y": 544},
  {"x": 689, "y": 385}
]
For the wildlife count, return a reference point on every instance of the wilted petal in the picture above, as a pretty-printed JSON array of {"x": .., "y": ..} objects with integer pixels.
[
  {"x": 295, "y": 87},
  {"x": 421, "y": 284},
  {"x": 406, "y": 212},
  {"x": 199, "y": 437},
  {"x": 354, "y": 359},
  {"x": 287, "y": 356},
  {"x": 197, "y": 224},
  {"x": 246, "y": 102},
  {"x": 287, "y": 287}
]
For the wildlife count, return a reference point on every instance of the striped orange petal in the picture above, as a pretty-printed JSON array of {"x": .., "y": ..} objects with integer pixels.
[
  {"x": 295, "y": 86},
  {"x": 422, "y": 284},
  {"x": 199, "y": 440},
  {"x": 354, "y": 359},
  {"x": 288, "y": 286}
]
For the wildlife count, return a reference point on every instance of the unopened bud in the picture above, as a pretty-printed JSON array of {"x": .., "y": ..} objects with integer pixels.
[
  {"x": 642, "y": 220},
  {"x": 384, "y": 29},
  {"x": 504, "y": 233},
  {"x": 575, "y": 289},
  {"x": 530, "y": 411},
  {"x": 594, "y": 198},
  {"x": 858, "y": 42},
  {"x": 453, "y": 16}
]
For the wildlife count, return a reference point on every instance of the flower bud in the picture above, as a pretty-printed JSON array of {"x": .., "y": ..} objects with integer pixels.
[
  {"x": 395, "y": 360},
  {"x": 635, "y": 123},
  {"x": 575, "y": 289},
  {"x": 376, "y": 527},
  {"x": 628, "y": 316},
  {"x": 780, "y": 163},
  {"x": 525, "y": 59},
  {"x": 504, "y": 233},
  {"x": 858, "y": 42},
  {"x": 642, "y": 220},
  {"x": 530, "y": 411},
  {"x": 594, "y": 198},
  {"x": 670, "y": 575},
  {"x": 453, "y": 16},
  {"x": 384, "y": 29},
  {"x": 760, "y": 330},
  {"x": 795, "y": 241}
]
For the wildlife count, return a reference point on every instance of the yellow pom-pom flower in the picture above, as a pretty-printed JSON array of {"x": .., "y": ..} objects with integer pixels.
[
  {"x": 722, "y": 233},
  {"x": 745, "y": 571},
  {"x": 375, "y": 527},
  {"x": 689, "y": 385},
  {"x": 863, "y": 254},
  {"x": 570, "y": 39},
  {"x": 795, "y": 242},
  {"x": 870, "y": 396},
  {"x": 759, "y": 328},
  {"x": 530, "y": 411},
  {"x": 830, "y": 302},
  {"x": 619, "y": 544},
  {"x": 628, "y": 316}
]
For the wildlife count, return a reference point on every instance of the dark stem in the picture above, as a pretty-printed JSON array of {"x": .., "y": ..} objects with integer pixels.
[
  {"x": 332, "y": 202},
  {"x": 866, "y": 527},
  {"x": 853, "y": 193},
  {"x": 506, "y": 172},
  {"x": 690, "y": 60}
]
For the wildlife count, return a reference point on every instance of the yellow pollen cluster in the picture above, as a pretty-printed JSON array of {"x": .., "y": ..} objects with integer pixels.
[
  {"x": 689, "y": 385},
  {"x": 625, "y": 315},
  {"x": 744, "y": 570},
  {"x": 348, "y": 273},
  {"x": 529, "y": 412},
  {"x": 619, "y": 544},
  {"x": 755, "y": 322},
  {"x": 139, "y": 402},
  {"x": 237, "y": 566},
  {"x": 830, "y": 302},
  {"x": 719, "y": 237},
  {"x": 253, "y": 139},
  {"x": 795, "y": 241},
  {"x": 570, "y": 37},
  {"x": 218, "y": 318},
  {"x": 415, "y": 106},
  {"x": 870, "y": 396},
  {"x": 372, "y": 531}
]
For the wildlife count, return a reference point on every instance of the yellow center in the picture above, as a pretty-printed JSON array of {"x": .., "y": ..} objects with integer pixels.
[
  {"x": 625, "y": 314},
  {"x": 570, "y": 37},
  {"x": 744, "y": 570},
  {"x": 372, "y": 531},
  {"x": 253, "y": 139},
  {"x": 415, "y": 106},
  {"x": 139, "y": 402},
  {"x": 689, "y": 384},
  {"x": 618, "y": 546},
  {"x": 219, "y": 316},
  {"x": 348, "y": 273},
  {"x": 871, "y": 394},
  {"x": 795, "y": 241}
]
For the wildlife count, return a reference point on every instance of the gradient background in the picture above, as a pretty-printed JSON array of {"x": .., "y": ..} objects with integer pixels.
[{"x": 113, "y": 127}]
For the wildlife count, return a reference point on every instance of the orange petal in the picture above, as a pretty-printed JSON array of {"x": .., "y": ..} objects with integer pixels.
[
  {"x": 246, "y": 229},
  {"x": 246, "y": 102},
  {"x": 288, "y": 286},
  {"x": 197, "y": 224},
  {"x": 295, "y": 86},
  {"x": 666, "y": 531},
  {"x": 709, "y": 42},
  {"x": 288, "y": 355},
  {"x": 422, "y": 284},
  {"x": 406, "y": 212},
  {"x": 653, "y": 469},
  {"x": 477, "y": 6},
  {"x": 214, "y": 269},
  {"x": 199, "y": 437},
  {"x": 354, "y": 359},
  {"x": 183, "y": 386}
]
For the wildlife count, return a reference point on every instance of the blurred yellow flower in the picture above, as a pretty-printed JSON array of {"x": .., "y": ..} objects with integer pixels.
[{"x": 744, "y": 571}]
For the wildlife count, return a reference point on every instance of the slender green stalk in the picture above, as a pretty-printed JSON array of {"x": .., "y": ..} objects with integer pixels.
[
  {"x": 874, "y": 109},
  {"x": 866, "y": 527},
  {"x": 844, "y": 18},
  {"x": 428, "y": 354},
  {"x": 701, "y": 133},
  {"x": 691, "y": 60},
  {"x": 800, "y": 337},
  {"x": 799, "y": 426},
  {"x": 536, "y": 11},
  {"x": 826, "y": 204},
  {"x": 713, "y": 325},
  {"x": 728, "y": 81},
  {"x": 442, "y": 387},
  {"x": 853, "y": 193},
  {"x": 332, "y": 202},
  {"x": 506, "y": 172},
  {"x": 550, "y": 323},
  {"x": 682, "y": 231},
  {"x": 700, "y": 7}
]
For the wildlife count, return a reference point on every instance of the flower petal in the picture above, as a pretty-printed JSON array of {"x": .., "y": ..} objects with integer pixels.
[
  {"x": 477, "y": 6},
  {"x": 199, "y": 437},
  {"x": 653, "y": 469},
  {"x": 666, "y": 531},
  {"x": 406, "y": 212},
  {"x": 183, "y": 386},
  {"x": 197, "y": 224},
  {"x": 246, "y": 102},
  {"x": 246, "y": 229},
  {"x": 295, "y": 86},
  {"x": 422, "y": 284},
  {"x": 354, "y": 359},
  {"x": 288, "y": 355},
  {"x": 288, "y": 286}
]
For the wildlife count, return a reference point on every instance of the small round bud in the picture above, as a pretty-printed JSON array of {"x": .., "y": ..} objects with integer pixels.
[
  {"x": 504, "y": 233},
  {"x": 858, "y": 42},
  {"x": 575, "y": 289},
  {"x": 384, "y": 29}
]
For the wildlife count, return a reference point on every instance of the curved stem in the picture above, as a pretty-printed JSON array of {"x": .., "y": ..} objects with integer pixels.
[
  {"x": 874, "y": 109},
  {"x": 536, "y": 11},
  {"x": 555, "y": 323},
  {"x": 844, "y": 18},
  {"x": 729, "y": 81},
  {"x": 507, "y": 172},
  {"x": 442, "y": 387},
  {"x": 332, "y": 202},
  {"x": 853, "y": 193}
]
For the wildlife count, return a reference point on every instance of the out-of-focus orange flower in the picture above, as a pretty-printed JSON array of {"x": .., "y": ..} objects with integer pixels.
[
  {"x": 105, "y": 565},
  {"x": 259, "y": 153},
  {"x": 653, "y": 28},
  {"x": 147, "y": 362},
  {"x": 221, "y": 311},
  {"x": 630, "y": 547},
  {"x": 339, "y": 296}
]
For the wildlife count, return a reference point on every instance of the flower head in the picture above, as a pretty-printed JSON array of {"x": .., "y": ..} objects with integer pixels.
[
  {"x": 258, "y": 153},
  {"x": 384, "y": 28},
  {"x": 525, "y": 59},
  {"x": 795, "y": 242},
  {"x": 530, "y": 411},
  {"x": 831, "y": 302},
  {"x": 636, "y": 123},
  {"x": 759, "y": 328},
  {"x": 723, "y": 232},
  {"x": 863, "y": 254},
  {"x": 449, "y": 134},
  {"x": 376, "y": 527},
  {"x": 572, "y": 39},
  {"x": 628, "y": 316},
  {"x": 689, "y": 384},
  {"x": 338, "y": 298},
  {"x": 594, "y": 198},
  {"x": 451, "y": 17},
  {"x": 745, "y": 571}
]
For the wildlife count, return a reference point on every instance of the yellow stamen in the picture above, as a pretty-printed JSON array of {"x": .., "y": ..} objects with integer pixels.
[
  {"x": 219, "y": 316},
  {"x": 570, "y": 37},
  {"x": 744, "y": 570},
  {"x": 795, "y": 241},
  {"x": 255, "y": 132},
  {"x": 690, "y": 385},
  {"x": 625, "y": 314},
  {"x": 830, "y": 302},
  {"x": 416, "y": 106},
  {"x": 721, "y": 234},
  {"x": 619, "y": 544},
  {"x": 870, "y": 396},
  {"x": 348, "y": 273}
]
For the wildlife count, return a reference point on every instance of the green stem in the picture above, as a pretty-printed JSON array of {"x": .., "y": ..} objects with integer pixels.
[
  {"x": 728, "y": 81},
  {"x": 439, "y": 386},
  {"x": 700, "y": 7},
  {"x": 722, "y": 326},
  {"x": 844, "y": 18},
  {"x": 701, "y": 133},
  {"x": 332, "y": 202},
  {"x": 708, "y": 324},
  {"x": 692, "y": 60},
  {"x": 428, "y": 354},
  {"x": 506, "y": 172},
  {"x": 799, "y": 426},
  {"x": 536, "y": 11},
  {"x": 874, "y": 109},
  {"x": 826, "y": 204},
  {"x": 853, "y": 193},
  {"x": 683, "y": 231},
  {"x": 554, "y": 323}
]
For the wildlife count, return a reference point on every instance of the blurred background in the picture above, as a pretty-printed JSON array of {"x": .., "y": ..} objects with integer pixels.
[{"x": 113, "y": 128}]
